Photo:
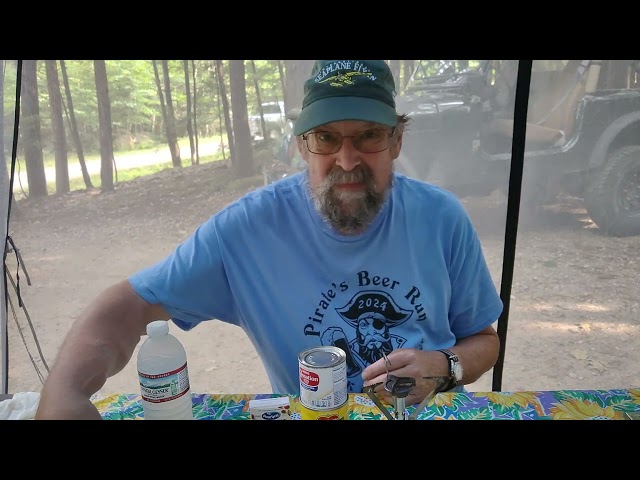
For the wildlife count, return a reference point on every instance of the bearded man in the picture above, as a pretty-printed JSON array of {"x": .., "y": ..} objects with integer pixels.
[{"x": 346, "y": 246}]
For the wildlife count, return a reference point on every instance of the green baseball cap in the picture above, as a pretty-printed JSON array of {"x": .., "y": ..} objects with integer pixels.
[{"x": 348, "y": 90}]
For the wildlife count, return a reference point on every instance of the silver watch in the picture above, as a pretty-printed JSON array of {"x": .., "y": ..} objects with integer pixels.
[{"x": 455, "y": 368}]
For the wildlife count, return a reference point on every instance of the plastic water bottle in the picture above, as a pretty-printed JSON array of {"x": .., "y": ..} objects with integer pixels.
[{"x": 163, "y": 375}]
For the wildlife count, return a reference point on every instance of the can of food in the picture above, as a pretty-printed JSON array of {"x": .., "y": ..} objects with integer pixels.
[{"x": 323, "y": 384}]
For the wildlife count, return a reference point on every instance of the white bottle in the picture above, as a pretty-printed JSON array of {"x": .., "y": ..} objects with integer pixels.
[{"x": 163, "y": 375}]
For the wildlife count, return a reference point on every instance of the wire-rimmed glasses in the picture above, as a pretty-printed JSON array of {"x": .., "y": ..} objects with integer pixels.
[{"x": 373, "y": 140}]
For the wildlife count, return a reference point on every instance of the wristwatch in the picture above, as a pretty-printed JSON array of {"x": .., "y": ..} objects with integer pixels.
[{"x": 455, "y": 368}]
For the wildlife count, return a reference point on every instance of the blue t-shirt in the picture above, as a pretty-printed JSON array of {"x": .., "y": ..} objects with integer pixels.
[{"x": 268, "y": 263}]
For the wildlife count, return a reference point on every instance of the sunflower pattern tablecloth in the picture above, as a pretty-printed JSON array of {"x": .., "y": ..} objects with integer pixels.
[{"x": 533, "y": 405}]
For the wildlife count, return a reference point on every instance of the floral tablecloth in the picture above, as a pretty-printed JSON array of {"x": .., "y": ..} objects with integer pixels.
[{"x": 530, "y": 405}]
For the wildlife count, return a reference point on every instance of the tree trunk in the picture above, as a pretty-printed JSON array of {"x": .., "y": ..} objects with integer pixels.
[
  {"x": 172, "y": 136},
  {"x": 163, "y": 108},
  {"x": 187, "y": 82},
  {"x": 195, "y": 116},
  {"x": 409, "y": 65},
  {"x": 57, "y": 127},
  {"x": 297, "y": 72},
  {"x": 4, "y": 170},
  {"x": 226, "y": 110},
  {"x": 104, "y": 120},
  {"x": 221, "y": 122},
  {"x": 263, "y": 125},
  {"x": 30, "y": 127},
  {"x": 282, "y": 77},
  {"x": 242, "y": 135},
  {"x": 394, "y": 66},
  {"x": 73, "y": 126}
]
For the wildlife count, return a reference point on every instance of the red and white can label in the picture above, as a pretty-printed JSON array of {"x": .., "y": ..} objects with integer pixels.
[{"x": 323, "y": 388}]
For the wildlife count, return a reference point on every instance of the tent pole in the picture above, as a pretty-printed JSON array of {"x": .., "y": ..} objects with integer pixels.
[
  {"x": 513, "y": 209},
  {"x": 5, "y": 206}
]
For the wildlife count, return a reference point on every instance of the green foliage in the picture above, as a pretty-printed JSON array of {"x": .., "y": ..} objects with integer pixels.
[
  {"x": 135, "y": 106},
  {"x": 136, "y": 112},
  {"x": 269, "y": 81},
  {"x": 133, "y": 93}
]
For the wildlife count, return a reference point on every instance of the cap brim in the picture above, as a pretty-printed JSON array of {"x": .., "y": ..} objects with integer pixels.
[{"x": 334, "y": 109}]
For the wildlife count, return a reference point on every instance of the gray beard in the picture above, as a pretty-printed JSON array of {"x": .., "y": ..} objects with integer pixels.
[{"x": 349, "y": 216}]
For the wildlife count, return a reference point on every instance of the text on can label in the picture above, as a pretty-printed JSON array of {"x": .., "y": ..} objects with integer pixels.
[{"x": 309, "y": 380}]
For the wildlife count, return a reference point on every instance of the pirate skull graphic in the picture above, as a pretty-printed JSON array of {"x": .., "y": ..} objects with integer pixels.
[{"x": 372, "y": 314}]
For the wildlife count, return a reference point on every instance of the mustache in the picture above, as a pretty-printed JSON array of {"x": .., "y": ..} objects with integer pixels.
[
  {"x": 337, "y": 175},
  {"x": 348, "y": 213}
]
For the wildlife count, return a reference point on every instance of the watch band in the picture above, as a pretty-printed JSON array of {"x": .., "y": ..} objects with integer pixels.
[
  {"x": 453, "y": 358},
  {"x": 450, "y": 355}
]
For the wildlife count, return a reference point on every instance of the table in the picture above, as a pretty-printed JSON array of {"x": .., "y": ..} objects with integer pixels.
[{"x": 618, "y": 404}]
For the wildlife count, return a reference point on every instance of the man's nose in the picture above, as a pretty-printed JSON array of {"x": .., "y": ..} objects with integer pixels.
[{"x": 348, "y": 157}]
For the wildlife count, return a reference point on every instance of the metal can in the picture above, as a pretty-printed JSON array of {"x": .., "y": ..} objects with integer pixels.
[{"x": 323, "y": 383}]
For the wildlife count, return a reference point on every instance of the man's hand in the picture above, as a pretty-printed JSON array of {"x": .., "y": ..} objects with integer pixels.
[
  {"x": 477, "y": 353},
  {"x": 407, "y": 362}
]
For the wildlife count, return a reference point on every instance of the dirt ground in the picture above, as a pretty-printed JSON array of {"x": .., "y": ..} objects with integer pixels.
[{"x": 574, "y": 317}]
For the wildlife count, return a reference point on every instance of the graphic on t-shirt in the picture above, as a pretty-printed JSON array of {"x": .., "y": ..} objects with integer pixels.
[{"x": 372, "y": 314}]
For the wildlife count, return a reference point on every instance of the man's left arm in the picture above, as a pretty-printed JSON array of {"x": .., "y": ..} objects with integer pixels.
[{"x": 477, "y": 354}]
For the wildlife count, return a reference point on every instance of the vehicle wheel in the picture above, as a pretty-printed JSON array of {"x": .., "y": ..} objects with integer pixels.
[{"x": 612, "y": 198}]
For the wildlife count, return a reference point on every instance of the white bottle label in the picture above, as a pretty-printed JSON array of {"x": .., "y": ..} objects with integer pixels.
[{"x": 164, "y": 387}]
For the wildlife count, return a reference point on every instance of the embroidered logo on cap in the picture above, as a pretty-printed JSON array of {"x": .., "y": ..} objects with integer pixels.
[{"x": 341, "y": 79}]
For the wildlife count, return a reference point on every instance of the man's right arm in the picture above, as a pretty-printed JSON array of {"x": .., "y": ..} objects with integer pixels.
[{"x": 99, "y": 344}]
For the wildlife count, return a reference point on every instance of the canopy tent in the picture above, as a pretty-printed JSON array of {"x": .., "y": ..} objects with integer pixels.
[
  {"x": 503, "y": 136},
  {"x": 5, "y": 200}
]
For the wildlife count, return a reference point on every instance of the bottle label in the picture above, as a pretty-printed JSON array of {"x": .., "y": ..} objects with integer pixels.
[{"x": 164, "y": 387}]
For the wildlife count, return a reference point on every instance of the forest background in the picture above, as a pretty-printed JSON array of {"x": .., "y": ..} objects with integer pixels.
[
  {"x": 116, "y": 161},
  {"x": 84, "y": 107}
]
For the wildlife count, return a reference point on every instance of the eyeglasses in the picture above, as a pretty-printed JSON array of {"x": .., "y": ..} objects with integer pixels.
[{"x": 370, "y": 141}]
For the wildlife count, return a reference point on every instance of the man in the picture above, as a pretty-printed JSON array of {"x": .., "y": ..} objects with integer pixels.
[{"x": 346, "y": 253}]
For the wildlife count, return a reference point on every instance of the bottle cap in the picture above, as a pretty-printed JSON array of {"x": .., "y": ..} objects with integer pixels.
[{"x": 159, "y": 327}]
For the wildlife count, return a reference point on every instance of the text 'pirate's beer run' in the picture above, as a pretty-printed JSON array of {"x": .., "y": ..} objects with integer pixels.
[{"x": 323, "y": 384}]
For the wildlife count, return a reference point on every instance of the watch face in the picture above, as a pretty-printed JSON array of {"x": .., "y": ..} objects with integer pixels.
[{"x": 457, "y": 371}]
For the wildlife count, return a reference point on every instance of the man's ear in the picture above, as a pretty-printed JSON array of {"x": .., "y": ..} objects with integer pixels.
[{"x": 396, "y": 145}]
